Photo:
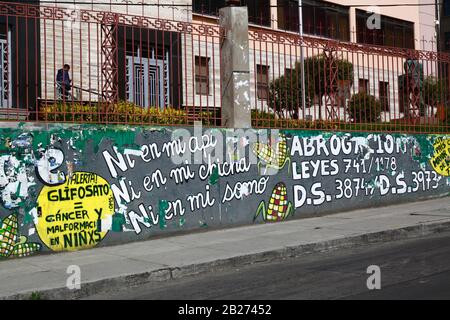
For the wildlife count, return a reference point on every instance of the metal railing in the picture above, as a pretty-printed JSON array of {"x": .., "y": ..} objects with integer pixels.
[
  {"x": 123, "y": 68},
  {"x": 348, "y": 86},
  {"x": 134, "y": 69}
]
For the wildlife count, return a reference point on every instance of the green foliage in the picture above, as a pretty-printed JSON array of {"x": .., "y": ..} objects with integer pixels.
[
  {"x": 364, "y": 108},
  {"x": 36, "y": 295},
  {"x": 120, "y": 112},
  {"x": 318, "y": 71},
  {"x": 435, "y": 94},
  {"x": 434, "y": 91},
  {"x": 262, "y": 119},
  {"x": 285, "y": 92},
  {"x": 447, "y": 112}
]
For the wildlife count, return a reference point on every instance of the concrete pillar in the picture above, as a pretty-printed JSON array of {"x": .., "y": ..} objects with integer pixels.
[{"x": 235, "y": 70}]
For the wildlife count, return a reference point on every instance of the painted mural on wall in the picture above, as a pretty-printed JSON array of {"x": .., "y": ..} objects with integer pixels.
[{"x": 68, "y": 188}]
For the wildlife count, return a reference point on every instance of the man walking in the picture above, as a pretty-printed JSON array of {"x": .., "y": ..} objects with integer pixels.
[{"x": 63, "y": 81}]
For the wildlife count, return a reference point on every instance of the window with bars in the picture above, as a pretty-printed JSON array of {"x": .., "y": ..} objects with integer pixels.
[
  {"x": 447, "y": 41},
  {"x": 262, "y": 81},
  {"x": 147, "y": 75},
  {"x": 446, "y": 6},
  {"x": 202, "y": 75},
  {"x": 258, "y": 10},
  {"x": 393, "y": 32},
  {"x": 320, "y": 18},
  {"x": 384, "y": 95},
  {"x": 363, "y": 85}
]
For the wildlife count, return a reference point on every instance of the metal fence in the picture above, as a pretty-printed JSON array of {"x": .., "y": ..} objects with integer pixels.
[
  {"x": 134, "y": 69},
  {"x": 123, "y": 68},
  {"x": 346, "y": 85}
]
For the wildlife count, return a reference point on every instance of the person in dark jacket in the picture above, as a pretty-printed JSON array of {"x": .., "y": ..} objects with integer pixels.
[{"x": 63, "y": 80}]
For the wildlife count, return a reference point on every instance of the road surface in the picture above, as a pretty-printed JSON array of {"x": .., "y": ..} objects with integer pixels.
[{"x": 410, "y": 269}]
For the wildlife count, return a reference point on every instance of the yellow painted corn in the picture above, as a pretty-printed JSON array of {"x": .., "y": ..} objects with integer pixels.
[
  {"x": 8, "y": 235},
  {"x": 9, "y": 238},
  {"x": 278, "y": 203},
  {"x": 272, "y": 157}
]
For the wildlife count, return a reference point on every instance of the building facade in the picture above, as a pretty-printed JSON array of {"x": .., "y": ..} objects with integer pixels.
[
  {"x": 171, "y": 57},
  {"x": 399, "y": 27}
]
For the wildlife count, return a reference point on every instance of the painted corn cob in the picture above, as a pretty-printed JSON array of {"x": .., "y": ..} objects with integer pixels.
[
  {"x": 11, "y": 244},
  {"x": 278, "y": 208},
  {"x": 273, "y": 157}
]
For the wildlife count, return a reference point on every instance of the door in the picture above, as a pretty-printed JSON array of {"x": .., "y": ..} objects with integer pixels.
[{"x": 147, "y": 82}]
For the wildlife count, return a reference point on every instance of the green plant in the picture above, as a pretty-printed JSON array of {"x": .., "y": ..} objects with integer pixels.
[
  {"x": 364, "y": 108},
  {"x": 35, "y": 295},
  {"x": 285, "y": 92},
  {"x": 434, "y": 91},
  {"x": 447, "y": 112},
  {"x": 318, "y": 73},
  {"x": 120, "y": 112},
  {"x": 435, "y": 94}
]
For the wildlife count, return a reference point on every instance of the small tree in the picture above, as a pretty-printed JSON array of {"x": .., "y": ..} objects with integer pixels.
[
  {"x": 285, "y": 92},
  {"x": 318, "y": 73},
  {"x": 363, "y": 107},
  {"x": 434, "y": 91}
]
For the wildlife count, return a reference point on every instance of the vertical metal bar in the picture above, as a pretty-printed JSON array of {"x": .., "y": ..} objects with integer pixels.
[{"x": 302, "y": 62}]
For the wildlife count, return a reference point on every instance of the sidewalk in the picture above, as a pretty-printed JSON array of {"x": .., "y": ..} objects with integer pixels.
[{"x": 110, "y": 268}]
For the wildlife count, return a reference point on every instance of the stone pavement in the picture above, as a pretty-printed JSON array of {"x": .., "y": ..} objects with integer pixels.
[{"x": 110, "y": 268}]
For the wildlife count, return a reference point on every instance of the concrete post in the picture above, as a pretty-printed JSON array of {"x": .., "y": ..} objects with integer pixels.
[{"x": 235, "y": 70}]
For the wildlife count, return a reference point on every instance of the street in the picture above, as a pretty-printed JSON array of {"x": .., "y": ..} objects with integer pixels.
[{"x": 410, "y": 269}]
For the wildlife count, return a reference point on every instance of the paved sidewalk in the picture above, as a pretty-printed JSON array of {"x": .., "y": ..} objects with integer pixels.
[{"x": 110, "y": 268}]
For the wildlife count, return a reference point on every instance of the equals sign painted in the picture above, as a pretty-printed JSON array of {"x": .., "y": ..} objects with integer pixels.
[{"x": 78, "y": 205}]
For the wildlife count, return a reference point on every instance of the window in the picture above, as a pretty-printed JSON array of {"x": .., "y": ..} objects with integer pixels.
[
  {"x": 210, "y": 7},
  {"x": 446, "y": 8},
  {"x": 202, "y": 75},
  {"x": 146, "y": 79},
  {"x": 147, "y": 76},
  {"x": 320, "y": 18},
  {"x": 258, "y": 10},
  {"x": 384, "y": 95},
  {"x": 262, "y": 81},
  {"x": 447, "y": 41},
  {"x": 288, "y": 15},
  {"x": 363, "y": 85},
  {"x": 393, "y": 32}
]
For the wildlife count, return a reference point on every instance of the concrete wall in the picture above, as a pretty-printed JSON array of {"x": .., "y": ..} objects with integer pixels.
[
  {"x": 427, "y": 21},
  {"x": 75, "y": 187}
]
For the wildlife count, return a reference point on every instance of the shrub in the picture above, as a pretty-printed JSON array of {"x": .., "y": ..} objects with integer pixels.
[
  {"x": 434, "y": 91},
  {"x": 447, "y": 111},
  {"x": 317, "y": 66},
  {"x": 285, "y": 92},
  {"x": 363, "y": 108},
  {"x": 120, "y": 112}
]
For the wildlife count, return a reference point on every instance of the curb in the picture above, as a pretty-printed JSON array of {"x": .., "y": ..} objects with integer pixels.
[{"x": 172, "y": 273}]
